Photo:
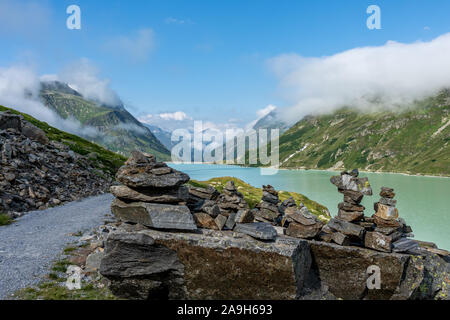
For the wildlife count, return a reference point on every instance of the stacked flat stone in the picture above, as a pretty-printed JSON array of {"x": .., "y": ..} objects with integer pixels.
[
  {"x": 300, "y": 222},
  {"x": 349, "y": 226},
  {"x": 202, "y": 203},
  {"x": 233, "y": 208},
  {"x": 152, "y": 194},
  {"x": 268, "y": 208},
  {"x": 390, "y": 232}
]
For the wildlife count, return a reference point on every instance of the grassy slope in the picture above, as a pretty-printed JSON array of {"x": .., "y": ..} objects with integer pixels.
[
  {"x": 384, "y": 141},
  {"x": 253, "y": 195},
  {"x": 122, "y": 139},
  {"x": 107, "y": 160}
]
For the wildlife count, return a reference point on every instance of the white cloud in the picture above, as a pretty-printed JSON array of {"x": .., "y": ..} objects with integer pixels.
[
  {"x": 391, "y": 74},
  {"x": 177, "y": 116},
  {"x": 83, "y": 77},
  {"x": 136, "y": 46},
  {"x": 261, "y": 113},
  {"x": 19, "y": 89}
]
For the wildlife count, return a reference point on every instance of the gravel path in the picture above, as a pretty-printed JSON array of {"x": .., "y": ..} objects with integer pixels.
[{"x": 30, "y": 245}]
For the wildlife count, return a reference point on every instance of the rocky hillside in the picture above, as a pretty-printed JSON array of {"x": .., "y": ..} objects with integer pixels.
[
  {"x": 42, "y": 166},
  {"x": 117, "y": 129},
  {"x": 414, "y": 140}
]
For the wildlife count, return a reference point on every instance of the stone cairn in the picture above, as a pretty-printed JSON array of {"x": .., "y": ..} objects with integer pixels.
[
  {"x": 384, "y": 231},
  {"x": 155, "y": 195},
  {"x": 268, "y": 208},
  {"x": 390, "y": 232},
  {"x": 152, "y": 194}
]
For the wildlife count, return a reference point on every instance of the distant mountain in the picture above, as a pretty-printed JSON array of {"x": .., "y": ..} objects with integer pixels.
[
  {"x": 271, "y": 121},
  {"x": 162, "y": 135},
  {"x": 413, "y": 140},
  {"x": 116, "y": 129}
]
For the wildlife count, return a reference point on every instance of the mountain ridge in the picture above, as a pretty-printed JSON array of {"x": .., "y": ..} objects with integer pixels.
[
  {"x": 411, "y": 140},
  {"x": 116, "y": 129}
]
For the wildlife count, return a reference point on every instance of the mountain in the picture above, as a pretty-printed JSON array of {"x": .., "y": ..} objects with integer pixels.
[
  {"x": 162, "y": 135},
  {"x": 414, "y": 140},
  {"x": 271, "y": 121},
  {"x": 111, "y": 126},
  {"x": 102, "y": 159}
]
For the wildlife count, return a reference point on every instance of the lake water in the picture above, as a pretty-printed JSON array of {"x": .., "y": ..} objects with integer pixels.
[{"x": 424, "y": 202}]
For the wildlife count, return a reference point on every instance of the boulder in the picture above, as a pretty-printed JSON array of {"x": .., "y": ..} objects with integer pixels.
[
  {"x": 220, "y": 221},
  {"x": 350, "y": 216},
  {"x": 388, "y": 202},
  {"x": 208, "y": 193},
  {"x": 378, "y": 241},
  {"x": 298, "y": 230},
  {"x": 9, "y": 120},
  {"x": 404, "y": 245},
  {"x": 163, "y": 216},
  {"x": 204, "y": 220},
  {"x": 352, "y": 230},
  {"x": 207, "y": 265},
  {"x": 142, "y": 171},
  {"x": 350, "y": 196},
  {"x": 387, "y": 192},
  {"x": 156, "y": 195},
  {"x": 268, "y": 211},
  {"x": 231, "y": 221},
  {"x": 213, "y": 210},
  {"x": 386, "y": 212},
  {"x": 343, "y": 270},
  {"x": 258, "y": 230},
  {"x": 138, "y": 268},
  {"x": 244, "y": 216},
  {"x": 383, "y": 223},
  {"x": 348, "y": 182},
  {"x": 34, "y": 133},
  {"x": 340, "y": 239}
]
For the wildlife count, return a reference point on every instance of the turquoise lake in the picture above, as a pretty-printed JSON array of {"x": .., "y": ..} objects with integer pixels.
[{"x": 424, "y": 202}]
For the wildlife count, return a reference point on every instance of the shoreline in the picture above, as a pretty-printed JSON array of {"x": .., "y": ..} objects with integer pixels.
[{"x": 319, "y": 170}]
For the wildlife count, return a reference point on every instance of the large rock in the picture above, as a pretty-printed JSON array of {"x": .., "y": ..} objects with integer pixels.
[
  {"x": 378, "y": 241},
  {"x": 204, "y": 220},
  {"x": 386, "y": 212},
  {"x": 10, "y": 120},
  {"x": 215, "y": 264},
  {"x": 258, "y": 230},
  {"x": 156, "y": 195},
  {"x": 138, "y": 268},
  {"x": 343, "y": 270},
  {"x": 161, "y": 216},
  {"x": 352, "y": 230},
  {"x": 208, "y": 193},
  {"x": 141, "y": 171},
  {"x": 298, "y": 230},
  {"x": 348, "y": 182},
  {"x": 268, "y": 211},
  {"x": 34, "y": 133}
]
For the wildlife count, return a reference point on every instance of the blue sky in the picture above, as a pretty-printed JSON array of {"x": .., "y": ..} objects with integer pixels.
[{"x": 208, "y": 59}]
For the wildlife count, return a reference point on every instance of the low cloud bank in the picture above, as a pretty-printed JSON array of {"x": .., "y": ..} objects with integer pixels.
[
  {"x": 19, "y": 89},
  {"x": 366, "y": 78},
  {"x": 83, "y": 77}
]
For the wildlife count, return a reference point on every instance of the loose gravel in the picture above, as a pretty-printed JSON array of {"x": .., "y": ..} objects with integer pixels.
[{"x": 30, "y": 244}]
